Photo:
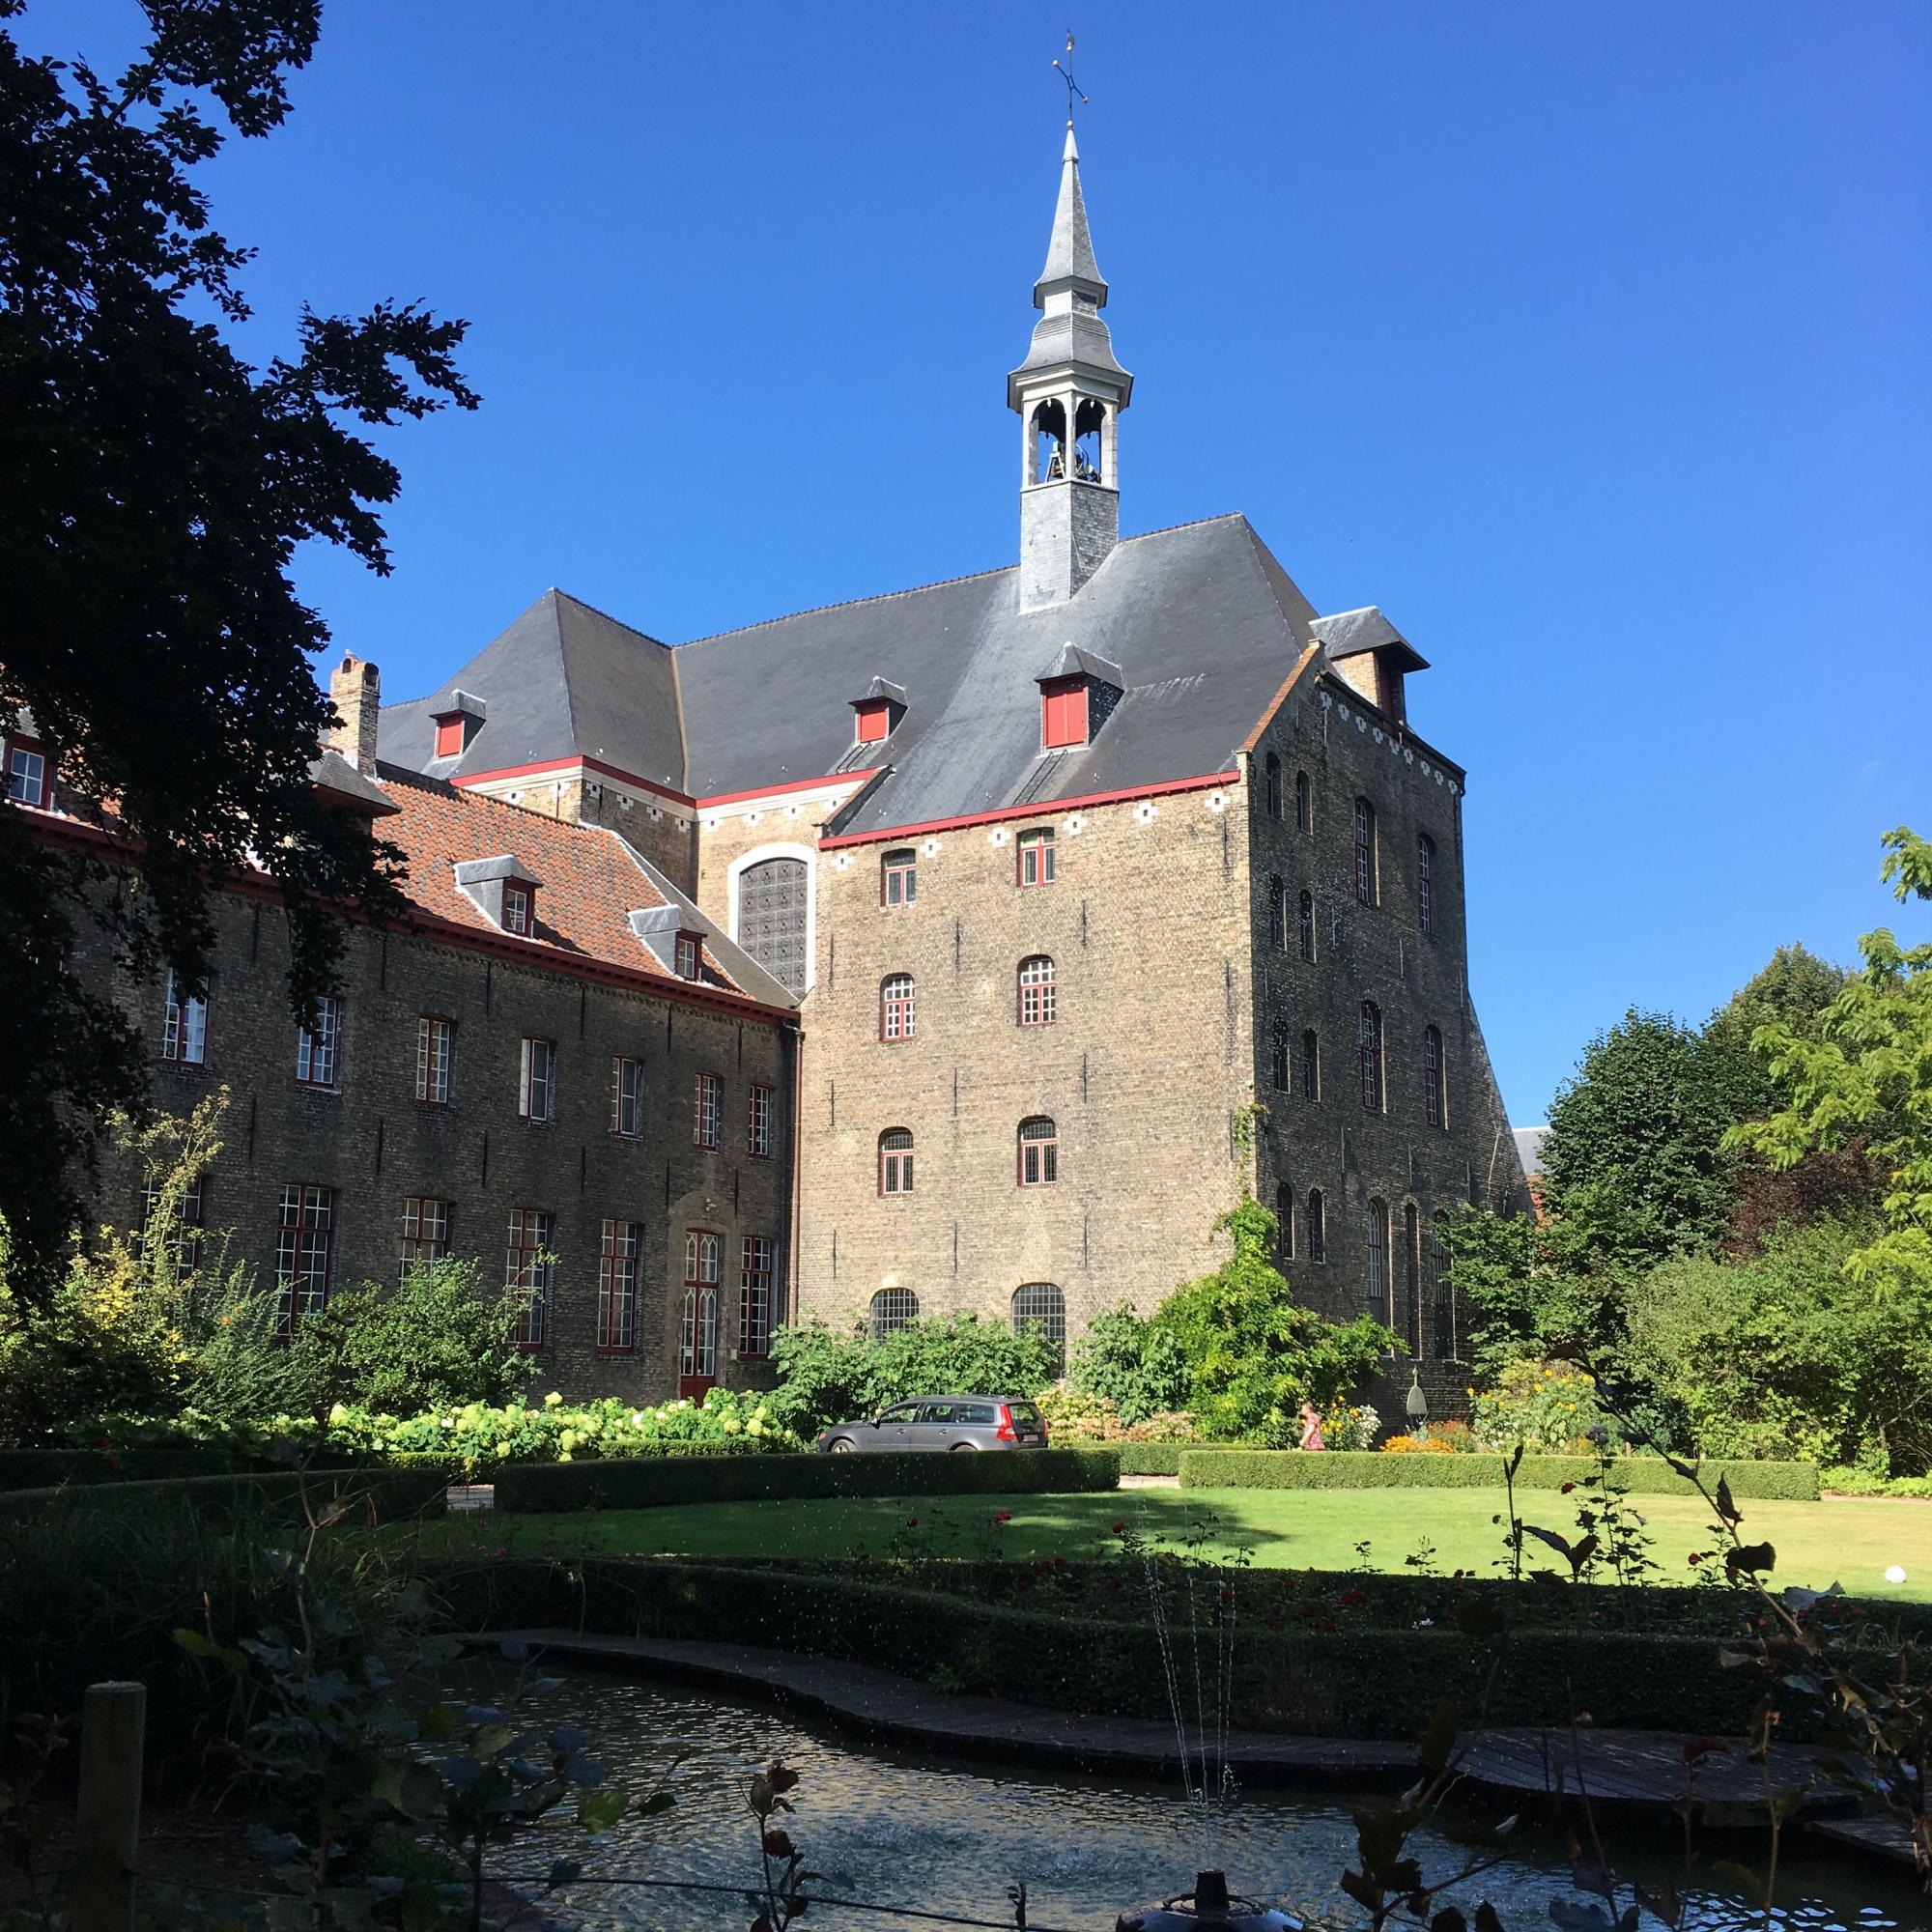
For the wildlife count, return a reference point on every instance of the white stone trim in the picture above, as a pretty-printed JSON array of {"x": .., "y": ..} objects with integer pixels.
[{"x": 779, "y": 849}]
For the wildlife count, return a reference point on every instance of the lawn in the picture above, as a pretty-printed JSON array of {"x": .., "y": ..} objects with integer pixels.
[{"x": 1850, "y": 1541}]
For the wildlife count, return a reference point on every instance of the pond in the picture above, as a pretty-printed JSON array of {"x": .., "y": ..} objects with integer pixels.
[{"x": 897, "y": 1827}]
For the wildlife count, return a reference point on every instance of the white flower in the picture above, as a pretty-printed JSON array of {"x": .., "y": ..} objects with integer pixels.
[
  {"x": 1897, "y": 1574},
  {"x": 553, "y": 1399}
]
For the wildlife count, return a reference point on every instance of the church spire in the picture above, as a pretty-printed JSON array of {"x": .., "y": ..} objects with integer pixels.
[{"x": 1068, "y": 393}]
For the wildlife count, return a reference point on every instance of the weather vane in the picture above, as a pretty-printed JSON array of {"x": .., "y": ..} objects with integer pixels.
[{"x": 1065, "y": 71}]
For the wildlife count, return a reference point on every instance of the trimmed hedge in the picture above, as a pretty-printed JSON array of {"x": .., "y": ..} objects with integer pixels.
[
  {"x": 1354, "y": 1682},
  {"x": 1152, "y": 1458},
  {"x": 45, "y": 1469},
  {"x": 392, "y": 1495},
  {"x": 647, "y": 1481},
  {"x": 1370, "y": 1469}
]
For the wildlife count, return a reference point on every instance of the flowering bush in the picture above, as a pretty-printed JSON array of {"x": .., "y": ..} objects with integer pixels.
[
  {"x": 1437, "y": 1438},
  {"x": 1350, "y": 1425},
  {"x": 1546, "y": 1406},
  {"x": 474, "y": 1435},
  {"x": 1075, "y": 1415},
  {"x": 1415, "y": 1445}
]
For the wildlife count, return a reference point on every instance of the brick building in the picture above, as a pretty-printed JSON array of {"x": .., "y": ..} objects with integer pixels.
[{"x": 1021, "y": 888}]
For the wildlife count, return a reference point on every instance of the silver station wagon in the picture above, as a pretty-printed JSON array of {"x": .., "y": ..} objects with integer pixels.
[{"x": 943, "y": 1422}]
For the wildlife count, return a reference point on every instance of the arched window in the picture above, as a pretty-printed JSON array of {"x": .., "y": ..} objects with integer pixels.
[
  {"x": 1304, "y": 802},
  {"x": 1305, "y": 914},
  {"x": 1370, "y": 1033},
  {"x": 1039, "y": 1304},
  {"x": 1434, "y": 1097},
  {"x": 1284, "y": 1217},
  {"x": 898, "y": 877},
  {"x": 1311, "y": 1064},
  {"x": 1365, "y": 852},
  {"x": 1411, "y": 1278},
  {"x": 1278, "y": 1062},
  {"x": 895, "y": 1161},
  {"x": 1425, "y": 883},
  {"x": 1377, "y": 1260},
  {"x": 1039, "y": 1153},
  {"x": 1318, "y": 1225},
  {"x": 1442, "y": 1312},
  {"x": 1036, "y": 991},
  {"x": 893, "y": 1309},
  {"x": 771, "y": 919},
  {"x": 896, "y": 1007},
  {"x": 1273, "y": 786},
  {"x": 1277, "y": 915}
]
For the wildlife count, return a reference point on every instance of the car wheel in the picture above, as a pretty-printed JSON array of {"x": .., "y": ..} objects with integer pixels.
[
  {"x": 968, "y": 1448},
  {"x": 844, "y": 1447}
]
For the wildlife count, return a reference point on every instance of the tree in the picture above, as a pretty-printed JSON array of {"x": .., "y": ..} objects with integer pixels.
[
  {"x": 1792, "y": 990},
  {"x": 1635, "y": 1154},
  {"x": 157, "y": 488},
  {"x": 1254, "y": 1355},
  {"x": 1866, "y": 1077}
]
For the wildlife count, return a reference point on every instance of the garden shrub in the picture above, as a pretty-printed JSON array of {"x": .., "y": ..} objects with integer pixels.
[
  {"x": 1072, "y": 1416},
  {"x": 1849, "y": 1482},
  {"x": 385, "y": 1495},
  {"x": 828, "y": 1375},
  {"x": 1549, "y": 1407},
  {"x": 1137, "y": 1367},
  {"x": 1638, "y": 1475},
  {"x": 648, "y": 1484}
]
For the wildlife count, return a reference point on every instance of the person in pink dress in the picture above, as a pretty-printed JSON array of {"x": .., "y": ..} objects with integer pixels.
[{"x": 1311, "y": 1427}]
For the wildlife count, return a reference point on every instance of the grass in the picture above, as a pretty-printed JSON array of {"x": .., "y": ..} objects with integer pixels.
[{"x": 1852, "y": 1541}]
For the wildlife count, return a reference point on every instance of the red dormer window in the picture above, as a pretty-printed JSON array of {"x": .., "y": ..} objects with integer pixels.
[
  {"x": 690, "y": 952},
  {"x": 449, "y": 735},
  {"x": 875, "y": 721},
  {"x": 517, "y": 909},
  {"x": 1062, "y": 712}
]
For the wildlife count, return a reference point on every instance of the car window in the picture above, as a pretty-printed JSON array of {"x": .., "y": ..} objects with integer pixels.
[
  {"x": 979, "y": 1414},
  {"x": 940, "y": 1411},
  {"x": 904, "y": 1411},
  {"x": 1024, "y": 1412}
]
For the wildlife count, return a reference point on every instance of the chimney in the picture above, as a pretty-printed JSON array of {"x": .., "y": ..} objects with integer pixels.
[{"x": 356, "y": 690}]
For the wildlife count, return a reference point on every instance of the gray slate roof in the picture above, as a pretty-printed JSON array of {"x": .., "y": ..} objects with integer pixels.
[
  {"x": 1202, "y": 622},
  {"x": 1529, "y": 1148},
  {"x": 1349, "y": 633},
  {"x": 563, "y": 681}
]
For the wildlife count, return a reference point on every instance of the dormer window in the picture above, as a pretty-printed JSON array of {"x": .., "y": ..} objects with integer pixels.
[
  {"x": 1075, "y": 698},
  {"x": 457, "y": 723},
  {"x": 503, "y": 890},
  {"x": 690, "y": 952},
  {"x": 876, "y": 712}
]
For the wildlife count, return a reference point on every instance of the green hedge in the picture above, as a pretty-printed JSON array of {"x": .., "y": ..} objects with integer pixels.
[
  {"x": 649, "y": 1481},
  {"x": 1367, "y": 1470},
  {"x": 45, "y": 1469},
  {"x": 1353, "y": 1681},
  {"x": 392, "y": 1495}
]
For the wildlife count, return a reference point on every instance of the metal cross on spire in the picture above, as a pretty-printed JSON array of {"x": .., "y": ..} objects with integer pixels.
[{"x": 1064, "y": 70}]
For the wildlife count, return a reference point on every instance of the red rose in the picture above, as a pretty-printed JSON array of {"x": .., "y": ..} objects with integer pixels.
[
  {"x": 1564, "y": 1488},
  {"x": 1120, "y": 1529},
  {"x": 912, "y": 1522},
  {"x": 1004, "y": 1516}
]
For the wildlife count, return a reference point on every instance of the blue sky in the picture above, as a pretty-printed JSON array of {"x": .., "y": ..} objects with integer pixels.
[{"x": 1592, "y": 343}]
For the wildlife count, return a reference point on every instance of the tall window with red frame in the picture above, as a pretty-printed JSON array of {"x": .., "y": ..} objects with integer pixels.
[
  {"x": 1037, "y": 993},
  {"x": 1365, "y": 852},
  {"x": 758, "y": 1126},
  {"x": 1434, "y": 1106},
  {"x": 1039, "y": 1153},
  {"x": 304, "y": 1236},
  {"x": 319, "y": 1048},
  {"x": 897, "y": 1016},
  {"x": 1425, "y": 883},
  {"x": 898, "y": 877},
  {"x": 1035, "y": 855},
  {"x": 620, "y": 1246},
  {"x": 703, "y": 1264},
  {"x": 1369, "y": 1032},
  {"x": 755, "y": 1258},
  {"x": 425, "y": 1232},
  {"x": 707, "y": 1123},
  {"x": 895, "y": 1161},
  {"x": 529, "y": 1273}
]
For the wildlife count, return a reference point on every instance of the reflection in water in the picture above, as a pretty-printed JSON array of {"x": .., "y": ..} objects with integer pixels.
[{"x": 894, "y": 1827}]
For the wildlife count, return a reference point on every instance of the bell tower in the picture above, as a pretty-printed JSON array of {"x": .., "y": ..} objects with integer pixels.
[{"x": 1068, "y": 393}]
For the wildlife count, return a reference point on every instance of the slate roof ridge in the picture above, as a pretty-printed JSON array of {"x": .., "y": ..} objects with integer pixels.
[{"x": 558, "y": 597}]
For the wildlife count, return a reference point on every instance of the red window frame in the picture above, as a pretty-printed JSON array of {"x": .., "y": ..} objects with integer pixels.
[
  {"x": 758, "y": 1121},
  {"x": 317, "y": 1052},
  {"x": 1038, "y": 1153},
  {"x": 897, "y": 1015},
  {"x": 703, "y": 1267},
  {"x": 1062, "y": 713},
  {"x": 627, "y": 1097},
  {"x": 448, "y": 734},
  {"x": 184, "y": 1026},
  {"x": 874, "y": 721},
  {"x": 425, "y": 1237},
  {"x": 529, "y": 1271},
  {"x": 619, "y": 1250},
  {"x": 435, "y": 1059},
  {"x": 895, "y": 1161},
  {"x": 707, "y": 1122},
  {"x": 757, "y": 1256},
  {"x": 1036, "y": 865},
  {"x": 304, "y": 1242},
  {"x": 898, "y": 877},
  {"x": 1037, "y": 990}
]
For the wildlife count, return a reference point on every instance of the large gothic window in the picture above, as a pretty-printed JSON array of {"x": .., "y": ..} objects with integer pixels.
[{"x": 771, "y": 919}]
